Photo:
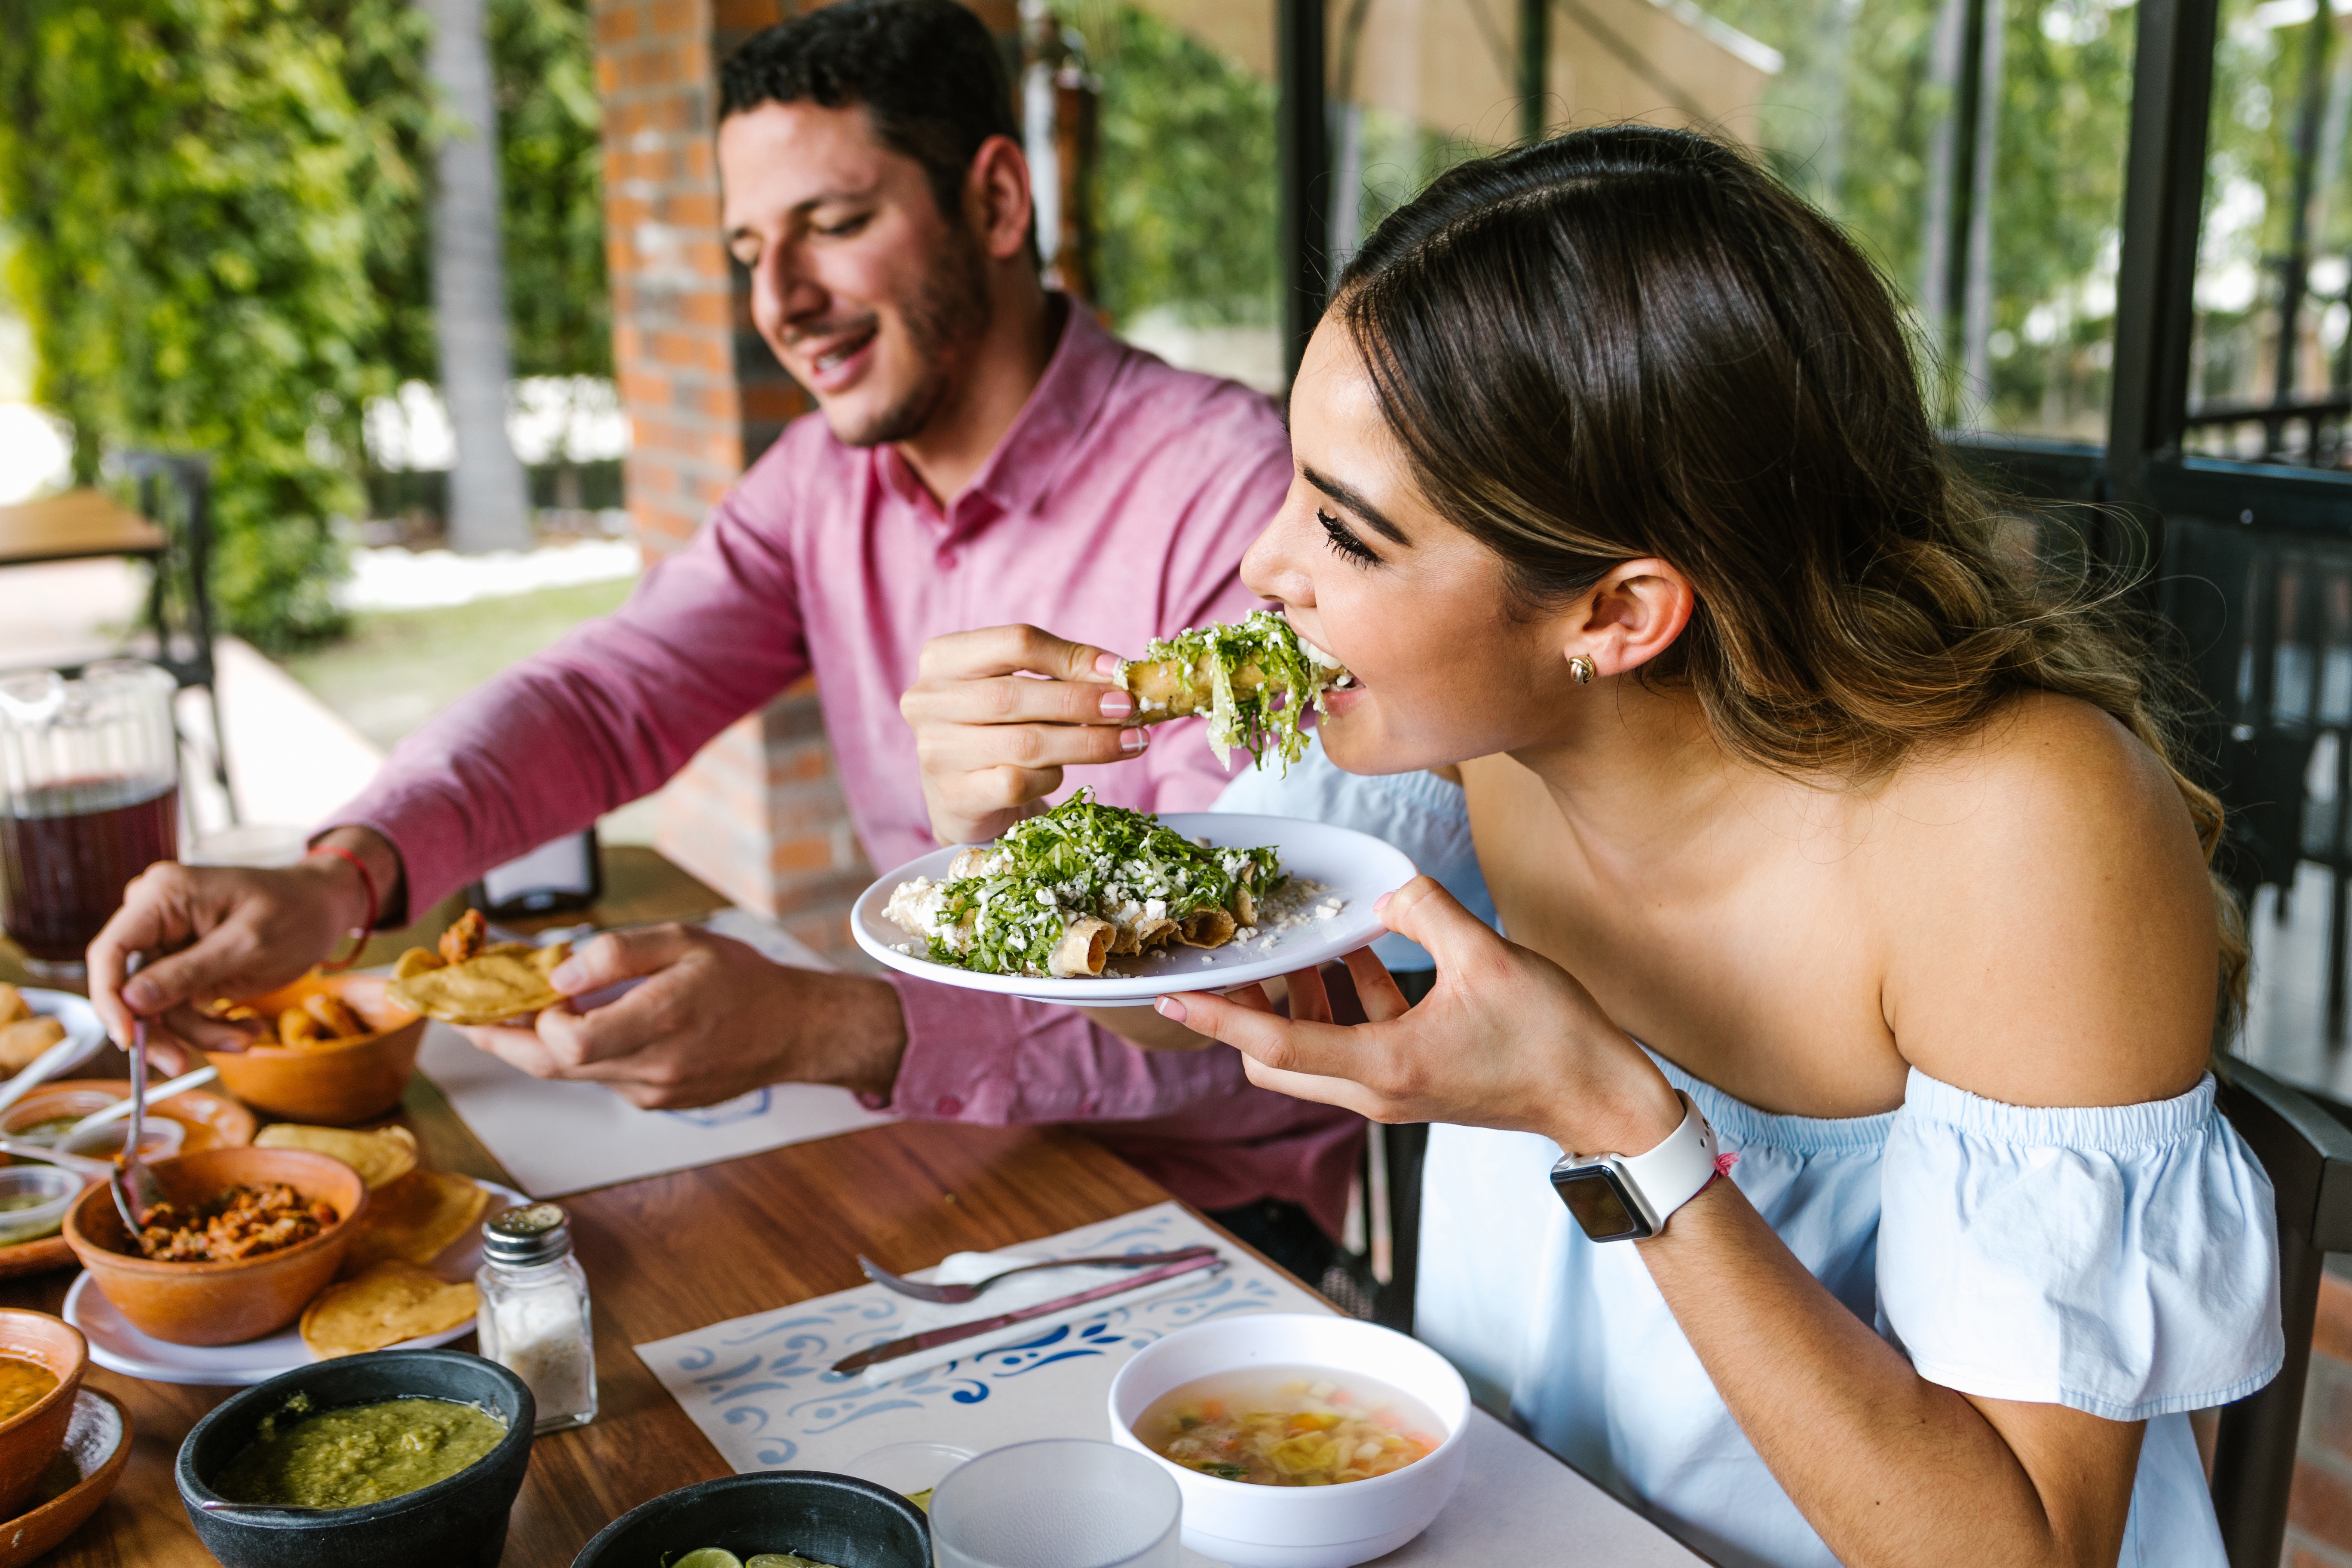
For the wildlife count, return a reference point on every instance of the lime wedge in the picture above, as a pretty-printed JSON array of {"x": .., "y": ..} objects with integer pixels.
[{"x": 709, "y": 1557}]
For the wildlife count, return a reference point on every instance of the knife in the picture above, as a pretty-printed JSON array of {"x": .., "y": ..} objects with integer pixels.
[{"x": 930, "y": 1338}]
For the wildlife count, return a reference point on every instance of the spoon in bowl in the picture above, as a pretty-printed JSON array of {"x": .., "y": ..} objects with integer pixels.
[{"x": 137, "y": 1194}]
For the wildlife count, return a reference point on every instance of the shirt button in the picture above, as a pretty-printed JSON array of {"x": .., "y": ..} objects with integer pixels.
[
  {"x": 948, "y": 559},
  {"x": 948, "y": 1105}
]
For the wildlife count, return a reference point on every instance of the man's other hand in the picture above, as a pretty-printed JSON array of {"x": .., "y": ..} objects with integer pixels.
[
  {"x": 212, "y": 931},
  {"x": 994, "y": 740},
  {"x": 710, "y": 1019}
]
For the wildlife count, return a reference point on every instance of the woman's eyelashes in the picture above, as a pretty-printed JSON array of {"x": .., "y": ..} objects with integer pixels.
[{"x": 1343, "y": 540}]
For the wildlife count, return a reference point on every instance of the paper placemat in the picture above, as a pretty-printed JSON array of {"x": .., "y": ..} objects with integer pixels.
[
  {"x": 759, "y": 1389},
  {"x": 556, "y": 1138}
]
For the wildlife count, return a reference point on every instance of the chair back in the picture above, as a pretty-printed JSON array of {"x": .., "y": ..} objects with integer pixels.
[
  {"x": 2307, "y": 1154},
  {"x": 174, "y": 492}
]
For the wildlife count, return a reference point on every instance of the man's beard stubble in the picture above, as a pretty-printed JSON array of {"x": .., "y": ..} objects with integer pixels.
[{"x": 947, "y": 315}]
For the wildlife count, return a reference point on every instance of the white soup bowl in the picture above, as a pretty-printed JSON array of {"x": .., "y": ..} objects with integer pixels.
[{"x": 1253, "y": 1526}]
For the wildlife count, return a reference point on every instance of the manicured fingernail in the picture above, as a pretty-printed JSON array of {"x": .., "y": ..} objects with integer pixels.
[
  {"x": 1169, "y": 1007},
  {"x": 1106, "y": 663},
  {"x": 1133, "y": 741},
  {"x": 569, "y": 977},
  {"x": 1117, "y": 705},
  {"x": 141, "y": 996}
]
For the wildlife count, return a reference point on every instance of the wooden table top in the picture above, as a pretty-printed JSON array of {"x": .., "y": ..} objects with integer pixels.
[
  {"x": 763, "y": 1231},
  {"x": 760, "y": 1232},
  {"x": 79, "y": 525}
]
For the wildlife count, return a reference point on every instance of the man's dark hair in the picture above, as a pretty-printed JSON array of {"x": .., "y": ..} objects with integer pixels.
[{"x": 928, "y": 72}]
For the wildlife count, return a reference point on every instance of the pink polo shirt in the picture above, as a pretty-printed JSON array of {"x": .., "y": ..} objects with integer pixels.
[{"x": 1115, "y": 509}]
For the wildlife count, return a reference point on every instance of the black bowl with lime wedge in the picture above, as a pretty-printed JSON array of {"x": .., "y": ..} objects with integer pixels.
[{"x": 835, "y": 1519}]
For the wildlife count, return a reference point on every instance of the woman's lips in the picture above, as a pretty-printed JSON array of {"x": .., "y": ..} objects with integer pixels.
[{"x": 1338, "y": 700}]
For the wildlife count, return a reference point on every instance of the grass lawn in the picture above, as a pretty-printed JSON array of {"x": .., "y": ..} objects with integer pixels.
[{"x": 399, "y": 668}]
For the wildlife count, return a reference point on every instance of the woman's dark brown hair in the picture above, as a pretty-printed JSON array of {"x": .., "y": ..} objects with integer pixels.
[{"x": 1631, "y": 342}]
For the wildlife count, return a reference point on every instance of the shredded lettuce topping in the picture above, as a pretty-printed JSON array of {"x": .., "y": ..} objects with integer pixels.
[
  {"x": 1082, "y": 859},
  {"x": 1255, "y": 717}
]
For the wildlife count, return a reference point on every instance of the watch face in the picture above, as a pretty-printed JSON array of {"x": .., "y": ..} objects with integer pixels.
[{"x": 1594, "y": 1197}]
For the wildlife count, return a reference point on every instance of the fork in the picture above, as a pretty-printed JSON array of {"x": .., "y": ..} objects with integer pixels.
[
  {"x": 137, "y": 1194},
  {"x": 956, "y": 1294}
]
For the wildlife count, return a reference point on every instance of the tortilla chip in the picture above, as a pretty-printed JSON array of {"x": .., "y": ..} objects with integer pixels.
[
  {"x": 384, "y": 1305},
  {"x": 14, "y": 1008},
  {"x": 381, "y": 1157},
  {"x": 416, "y": 1219},
  {"x": 416, "y": 961},
  {"x": 25, "y": 1039},
  {"x": 509, "y": 981}
]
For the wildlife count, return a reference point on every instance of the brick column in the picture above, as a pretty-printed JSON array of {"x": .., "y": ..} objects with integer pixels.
[{"x": 757, "y": 814}]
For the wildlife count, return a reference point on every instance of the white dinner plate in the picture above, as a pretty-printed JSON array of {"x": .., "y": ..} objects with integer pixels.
[
  {"x": 79, "y": 1019},
  {"x": 1355, "y": 866},
  {"x": 115, "y": 1345}
]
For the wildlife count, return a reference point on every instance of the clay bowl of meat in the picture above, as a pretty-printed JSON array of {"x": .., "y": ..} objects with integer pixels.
[
  {"x": 338, "y": 1051},
  {"x": 252, "y": 1236}
]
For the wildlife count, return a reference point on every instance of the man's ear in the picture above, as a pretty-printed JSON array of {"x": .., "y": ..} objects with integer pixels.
[
  {"x": 1632, "y": 616},
  {"x": 996, "y": 197}
]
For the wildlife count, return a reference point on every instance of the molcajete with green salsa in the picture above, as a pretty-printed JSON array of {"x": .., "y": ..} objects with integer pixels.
[{"x": 358, "y": 1452}]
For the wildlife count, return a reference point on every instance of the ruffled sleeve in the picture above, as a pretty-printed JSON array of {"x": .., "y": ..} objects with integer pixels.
[{"x": 2121, "y": 1260}]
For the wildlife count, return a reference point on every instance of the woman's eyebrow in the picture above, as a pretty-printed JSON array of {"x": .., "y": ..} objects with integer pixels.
[{"x": 1357, "y": 504}]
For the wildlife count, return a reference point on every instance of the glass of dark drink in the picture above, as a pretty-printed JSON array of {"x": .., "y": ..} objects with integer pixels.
[{"x": 90, "y": 797}]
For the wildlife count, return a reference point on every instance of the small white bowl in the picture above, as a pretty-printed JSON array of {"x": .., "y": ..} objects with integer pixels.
[
  {"x": 1301, "y": 1527},
  {"x": 55, "y": 1190}
]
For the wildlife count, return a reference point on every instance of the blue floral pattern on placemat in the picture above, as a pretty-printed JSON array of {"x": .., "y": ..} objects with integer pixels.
[{"x": 761, "y": 1388}]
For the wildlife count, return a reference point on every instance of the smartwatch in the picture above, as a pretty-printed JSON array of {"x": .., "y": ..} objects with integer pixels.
[{"x": 1627, "y": 1197}]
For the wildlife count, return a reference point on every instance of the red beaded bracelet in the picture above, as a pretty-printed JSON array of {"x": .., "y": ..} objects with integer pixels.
[{"x": 359, "y": 934}]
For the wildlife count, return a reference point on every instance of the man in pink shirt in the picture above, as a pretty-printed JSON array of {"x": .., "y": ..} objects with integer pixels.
[{"x": 982, "y": 454}]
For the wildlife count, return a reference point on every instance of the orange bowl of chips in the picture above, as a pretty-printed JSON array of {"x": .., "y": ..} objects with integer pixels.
[
  {"x": 246, "y": 1238},
  {"x": 338, "y": 1051}
]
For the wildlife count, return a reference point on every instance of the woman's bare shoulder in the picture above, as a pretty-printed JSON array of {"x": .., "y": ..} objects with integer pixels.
[{"x": 2051, "y": 929}]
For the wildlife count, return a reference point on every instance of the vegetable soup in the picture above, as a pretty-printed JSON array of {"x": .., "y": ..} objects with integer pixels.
[{"x": 1289, "y": 1427}]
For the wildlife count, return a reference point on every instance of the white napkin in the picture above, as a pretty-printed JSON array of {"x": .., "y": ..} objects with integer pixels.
[{"x": 1044, "y": 1285}]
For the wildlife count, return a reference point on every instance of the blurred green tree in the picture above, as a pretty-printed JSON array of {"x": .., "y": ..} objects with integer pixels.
[
  {"x": 186, "y": 178},
  {"x": 559, "y": 306},
  {"x": 1186, "y": 176},
  {"x": 220, "y": 208}
]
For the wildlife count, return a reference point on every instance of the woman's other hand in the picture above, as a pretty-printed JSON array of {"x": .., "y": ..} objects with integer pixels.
[
  {"x": 994, "y": 740},
  {"x": 1506, "y": 1038}
]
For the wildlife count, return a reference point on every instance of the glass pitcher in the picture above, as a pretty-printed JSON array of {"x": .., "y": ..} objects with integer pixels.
[{"x": 90, "y": 797}]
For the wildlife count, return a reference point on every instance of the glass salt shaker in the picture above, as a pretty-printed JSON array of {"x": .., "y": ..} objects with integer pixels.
[{"x": 533, "y": 1318}]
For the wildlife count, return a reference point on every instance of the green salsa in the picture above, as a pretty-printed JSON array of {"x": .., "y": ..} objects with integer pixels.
[{"x": 359, "y": 1453}]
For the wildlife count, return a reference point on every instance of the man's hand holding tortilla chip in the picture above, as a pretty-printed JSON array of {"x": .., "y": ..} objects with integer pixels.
[{"x": 709, "y": 1019}]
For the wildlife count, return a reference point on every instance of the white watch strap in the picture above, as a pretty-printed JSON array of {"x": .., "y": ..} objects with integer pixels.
[{"x": 1671, "y": 1174}]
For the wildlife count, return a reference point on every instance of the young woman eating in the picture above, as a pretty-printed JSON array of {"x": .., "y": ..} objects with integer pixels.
[{"x": 1840, "y": 851}]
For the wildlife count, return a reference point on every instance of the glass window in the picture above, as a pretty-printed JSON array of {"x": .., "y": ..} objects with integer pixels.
[
  {"x": 1974, "y": 146},
  {"x": 1415, "y": 87},
  {"x": 1157, "y": 203},
  {"x": 2270, "y": 366}
]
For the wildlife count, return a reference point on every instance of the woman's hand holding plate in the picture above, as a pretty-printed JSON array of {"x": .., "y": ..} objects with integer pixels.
[{"x": 1506, "y": 1038}]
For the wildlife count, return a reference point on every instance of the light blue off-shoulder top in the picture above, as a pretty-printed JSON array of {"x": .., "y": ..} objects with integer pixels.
[{"x": 2121, "y": 1260}]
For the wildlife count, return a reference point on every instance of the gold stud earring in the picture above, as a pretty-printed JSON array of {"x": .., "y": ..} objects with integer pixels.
[{"x": 1581, "y": 671}]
